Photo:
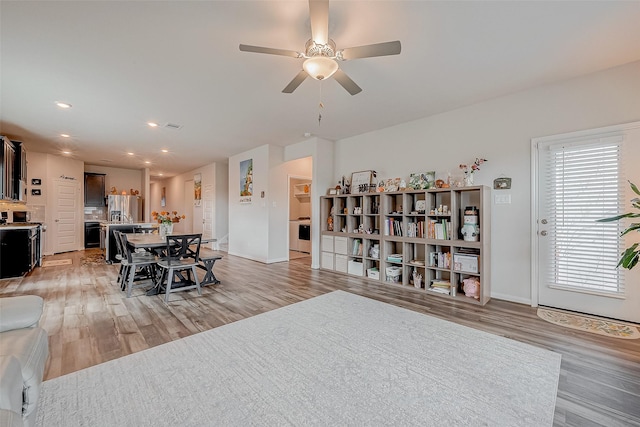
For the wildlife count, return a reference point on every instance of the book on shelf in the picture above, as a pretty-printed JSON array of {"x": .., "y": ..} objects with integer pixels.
[
  {"x": 442, "y": 286},
  {"x": 357, "y": 247},
  {"x": 394, "y": 257},
  {"x": 440, "y": 259},
  {"x": 393, "y": 227},
  {"x": 440, "y": 230},
  {"x": 415, "y": 229}
]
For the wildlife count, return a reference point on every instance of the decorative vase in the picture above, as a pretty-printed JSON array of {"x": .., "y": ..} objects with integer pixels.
[
  {"x": 166, "y": 229},
  {"x": 468, "y": 180}
]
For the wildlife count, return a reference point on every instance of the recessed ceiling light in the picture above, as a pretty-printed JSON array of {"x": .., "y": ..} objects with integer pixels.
[
  {"x": 66, "y": 152},
  {"x": 131, "y": 154},
  {"x": 165, "y": 151},
  {"x": 160, "y": 174},
  {"x": 63, "y": 104},
  {"x": 152, "y": 124},
  {"x": 147, "y": 162},
  {"x": 65, "y": 135}
]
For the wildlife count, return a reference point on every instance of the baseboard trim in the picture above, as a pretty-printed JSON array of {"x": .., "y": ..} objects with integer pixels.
[{"x": 510, "y": 298}]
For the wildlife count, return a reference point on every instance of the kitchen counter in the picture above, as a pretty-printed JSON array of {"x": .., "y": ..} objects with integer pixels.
[{"x": 20, "y": 225}]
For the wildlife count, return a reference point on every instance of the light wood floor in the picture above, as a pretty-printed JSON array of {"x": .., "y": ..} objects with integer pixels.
[{"x": 90, "y": 321}]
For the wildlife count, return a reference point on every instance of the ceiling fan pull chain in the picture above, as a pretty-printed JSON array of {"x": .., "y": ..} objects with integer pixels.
[{"x": 320, "y": 106}]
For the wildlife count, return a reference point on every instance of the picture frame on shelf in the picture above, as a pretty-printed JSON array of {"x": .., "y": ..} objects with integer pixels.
[
  {"x": 423, "y": 180},
  {"x": 392, "y": 184},
  {"x": 361, "y": 181}
]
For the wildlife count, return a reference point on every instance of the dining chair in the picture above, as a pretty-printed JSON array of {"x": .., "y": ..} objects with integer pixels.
[
  {"x": 120, "y": 256},
  {"x": 139, "y": 267},
  {"x": 179, "y": 265},
  {"x": 146, "y": 230}
]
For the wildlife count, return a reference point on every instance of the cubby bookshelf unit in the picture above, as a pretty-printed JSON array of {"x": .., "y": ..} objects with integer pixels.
[{"x": 410, "y": 239}]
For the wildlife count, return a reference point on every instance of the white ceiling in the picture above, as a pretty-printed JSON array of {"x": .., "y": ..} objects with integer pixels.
[{"x": 122, "y": 64}]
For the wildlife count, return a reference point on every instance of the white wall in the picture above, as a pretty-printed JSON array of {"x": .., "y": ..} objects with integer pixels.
[
  {"x": 221, "y": 204},
  {"x": 249, "y": 222},
  {"x": 499, "y": 130}
]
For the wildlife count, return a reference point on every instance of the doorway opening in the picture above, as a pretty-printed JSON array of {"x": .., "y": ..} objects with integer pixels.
[{"x": 299, "y": 217}]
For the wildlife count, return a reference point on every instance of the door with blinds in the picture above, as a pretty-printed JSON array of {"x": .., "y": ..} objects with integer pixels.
[{"x": 581, "y": 177}]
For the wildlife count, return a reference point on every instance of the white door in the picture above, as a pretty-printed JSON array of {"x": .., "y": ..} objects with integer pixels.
[
  {"x": 207, "y": 211},
  {"x": 580, "y": 178},
  {"x": 66, "y": 219},
  {"x": 187, "y": 223}
]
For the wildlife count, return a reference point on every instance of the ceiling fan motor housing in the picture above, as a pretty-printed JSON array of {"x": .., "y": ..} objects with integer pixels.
[{"x": 316, "y": 49}]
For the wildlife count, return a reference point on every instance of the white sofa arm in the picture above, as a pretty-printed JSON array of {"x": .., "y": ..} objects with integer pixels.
[{"x": 20, "y": 312}]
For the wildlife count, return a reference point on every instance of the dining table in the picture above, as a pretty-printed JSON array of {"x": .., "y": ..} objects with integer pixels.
[{"x": 157, "y": 243}]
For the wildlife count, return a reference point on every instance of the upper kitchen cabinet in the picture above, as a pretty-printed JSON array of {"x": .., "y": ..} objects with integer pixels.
[
  {"x": 94, "y": 189},
  {"x": 20, "y": 171},
  {"x": 7, "y": 179}
]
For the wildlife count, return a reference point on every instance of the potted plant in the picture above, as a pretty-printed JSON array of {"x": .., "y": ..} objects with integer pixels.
[{"x": 631, "y": 255}]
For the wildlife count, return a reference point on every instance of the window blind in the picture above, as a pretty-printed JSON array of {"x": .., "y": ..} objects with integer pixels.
[{"x": 584, "y": 184}]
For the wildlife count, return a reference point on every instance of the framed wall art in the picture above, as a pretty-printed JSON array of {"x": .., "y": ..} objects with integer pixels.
[{"x": 197, "y": 189}]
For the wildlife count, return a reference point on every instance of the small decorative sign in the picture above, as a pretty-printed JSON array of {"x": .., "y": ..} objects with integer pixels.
[
  {"x": 502, "y": 183},
  {"x": 36, "y": 181},
  {"x": 361, "y": 181},
  {"x": 36, "y": 192}
]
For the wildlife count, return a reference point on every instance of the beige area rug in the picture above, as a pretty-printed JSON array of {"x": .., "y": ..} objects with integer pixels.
[
  {"x": 334, "y": 360},
  {"x": 56, "y": 262},
  {"x": 595, "y": 325}
]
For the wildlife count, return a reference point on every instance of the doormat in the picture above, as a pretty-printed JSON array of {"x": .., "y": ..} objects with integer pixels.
[
  {"x": 56, "y": 262},
  {"x": 595, "y": 325}
]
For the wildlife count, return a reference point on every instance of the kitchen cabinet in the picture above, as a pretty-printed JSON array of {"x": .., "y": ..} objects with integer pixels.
[
  {"x": 7, "y": 163},
  {"x": 92, "y": 234},
  {"x": 20, "y": 172},
  {"x": 94, "y": 189},
  {"x": 19, "y": 251}
]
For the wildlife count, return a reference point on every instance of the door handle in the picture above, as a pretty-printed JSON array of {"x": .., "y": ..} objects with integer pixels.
[{"x": 543, "y": 233}]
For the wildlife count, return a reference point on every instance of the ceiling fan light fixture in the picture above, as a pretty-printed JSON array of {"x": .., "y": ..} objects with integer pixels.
[{"x": 320, "y": 67}]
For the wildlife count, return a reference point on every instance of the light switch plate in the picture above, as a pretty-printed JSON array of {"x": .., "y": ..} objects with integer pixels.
[{"x": 502, "y": 199}]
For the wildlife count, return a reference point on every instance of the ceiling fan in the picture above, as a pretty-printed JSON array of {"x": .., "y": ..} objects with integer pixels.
[{"x": 320, "y": 54}]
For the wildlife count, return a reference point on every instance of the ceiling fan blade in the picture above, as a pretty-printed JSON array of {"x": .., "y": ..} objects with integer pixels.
[
  {"x": 319, "y": 18},
  {"x": 270, "y": 51},
  {"x": 370, "y": 50},
  {"x": 346, "y": 82},
  {"x": 297, "y": 80}
]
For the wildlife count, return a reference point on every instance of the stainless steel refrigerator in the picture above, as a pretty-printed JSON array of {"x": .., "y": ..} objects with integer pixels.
[{"x": 124, "y": 209}]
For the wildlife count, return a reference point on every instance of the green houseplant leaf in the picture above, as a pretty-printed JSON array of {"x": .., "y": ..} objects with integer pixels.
[{"x": 631, "y": 255}]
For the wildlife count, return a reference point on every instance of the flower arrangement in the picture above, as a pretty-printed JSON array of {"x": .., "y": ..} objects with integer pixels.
[
  {"x": 166, "y": 217},
  {"x": 475, "y": 166}
]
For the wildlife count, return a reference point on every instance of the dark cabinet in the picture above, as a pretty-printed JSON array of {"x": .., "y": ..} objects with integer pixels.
[
  {"x": 15, "y": 252},
  {"x": 94, "y": 184},
  {"x": 20, "y": 171},
  {"x": 91, "y": 234},
  {"x": 7, "y": 163}
]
